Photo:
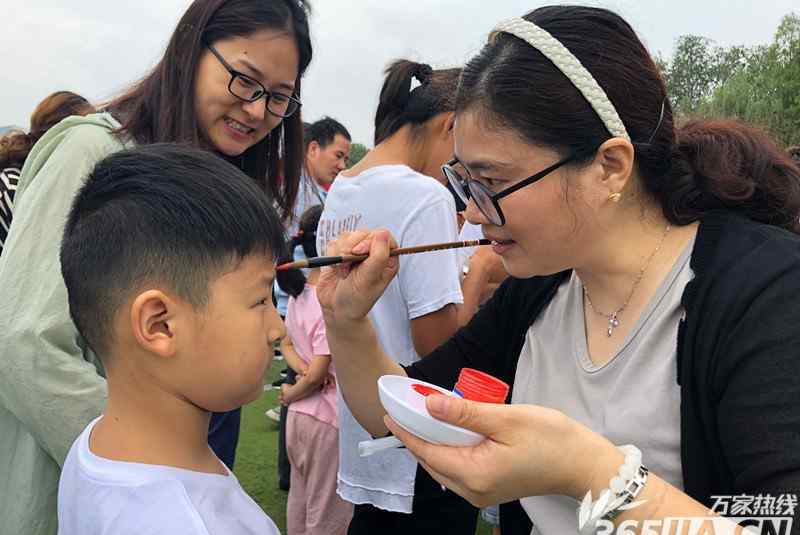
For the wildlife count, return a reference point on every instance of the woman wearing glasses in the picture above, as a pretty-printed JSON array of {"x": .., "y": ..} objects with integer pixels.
[
  {"x": 394, "y": 187},
  {"x": 650, "y": 331},
  {"x": 229, "y": 82}
]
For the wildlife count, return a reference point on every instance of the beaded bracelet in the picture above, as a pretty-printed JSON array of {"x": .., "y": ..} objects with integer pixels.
[{"x": 623, "y": 490}]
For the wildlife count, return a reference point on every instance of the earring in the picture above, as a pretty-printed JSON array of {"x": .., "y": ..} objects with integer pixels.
[{"x": 615, "y": 197}]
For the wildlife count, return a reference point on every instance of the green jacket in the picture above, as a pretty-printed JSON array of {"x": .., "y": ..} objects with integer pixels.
[{"x": 51, "y": 384}]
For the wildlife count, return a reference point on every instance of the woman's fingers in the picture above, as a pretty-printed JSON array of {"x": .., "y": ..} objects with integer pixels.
[
  {"x": 344, "y": 242},
  {"x": 348, "y": 291},
  {"x": 379, "y": 268},
  {"x": 447, "y": 460},
  {"x": 446, "y": 464},
  {"x": 488, "y": 419}
]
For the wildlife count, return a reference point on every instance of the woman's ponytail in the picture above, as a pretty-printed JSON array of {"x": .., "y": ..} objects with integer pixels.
[
  {"x": 401, "y": 104},
  {"x": 725, "y": 164}
]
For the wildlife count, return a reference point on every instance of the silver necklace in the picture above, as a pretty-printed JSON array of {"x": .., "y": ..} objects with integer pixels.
[{"x": 613, "y": 318}]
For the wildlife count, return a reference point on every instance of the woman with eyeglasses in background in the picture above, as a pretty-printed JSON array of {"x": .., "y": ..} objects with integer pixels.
[
  {"x": 650, "y": 331},
  {"x": 229, "y": 82}
]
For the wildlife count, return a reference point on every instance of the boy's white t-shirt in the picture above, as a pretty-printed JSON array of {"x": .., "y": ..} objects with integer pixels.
[
  {"x": 417, "y": 210},
  {"x": 98, "y": 496}
]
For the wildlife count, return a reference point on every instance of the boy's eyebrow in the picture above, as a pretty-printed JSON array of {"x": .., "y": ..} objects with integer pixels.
[{"x": 263, "y": 282}]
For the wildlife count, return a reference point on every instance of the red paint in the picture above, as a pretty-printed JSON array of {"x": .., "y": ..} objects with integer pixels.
[
  {"x": 425, "y": 390},
  {"x": 478, "y": 386}
]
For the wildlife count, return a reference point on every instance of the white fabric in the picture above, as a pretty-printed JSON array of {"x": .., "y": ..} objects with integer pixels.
[
  {"x": 309, "y": 194},
  {"x": 566, "y": 62},
  {"x": 417, "y": 210},
  {"x": 468, "y": 232},
  {"x": 632, "y": 399},
  {"x": 98, "y": 496}
]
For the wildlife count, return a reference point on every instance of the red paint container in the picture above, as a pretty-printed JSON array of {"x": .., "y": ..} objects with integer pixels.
[{"x": 475, "y": 385}]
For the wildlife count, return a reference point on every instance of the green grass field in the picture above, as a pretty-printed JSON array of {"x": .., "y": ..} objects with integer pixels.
[{"x": 256, "y": 456}]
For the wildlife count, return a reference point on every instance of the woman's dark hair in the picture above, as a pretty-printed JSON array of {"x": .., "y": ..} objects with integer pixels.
[
  {"x": 292, "y": 281},
  {"x": 15, "y": 146},
  {"x": 160, "y": 108},
  {"x": 400, "y": 105},
  {"x": 690, "y": 170}
]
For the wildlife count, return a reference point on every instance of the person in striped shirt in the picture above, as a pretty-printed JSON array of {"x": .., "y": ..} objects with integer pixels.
[{"x": 15, "y": 146}]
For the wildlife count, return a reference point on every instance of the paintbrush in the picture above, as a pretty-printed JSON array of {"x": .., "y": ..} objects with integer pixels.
[{"x": 320, "y": 261}]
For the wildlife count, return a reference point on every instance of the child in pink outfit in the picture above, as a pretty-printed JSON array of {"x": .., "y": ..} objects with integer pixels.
[{"x": 312, "y": 437}]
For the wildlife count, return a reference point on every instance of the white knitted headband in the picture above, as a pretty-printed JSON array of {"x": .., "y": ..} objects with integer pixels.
[{"x": 572, "y": 68}]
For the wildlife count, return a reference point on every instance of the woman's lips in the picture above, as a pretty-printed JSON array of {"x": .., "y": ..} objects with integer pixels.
[{"x": 502, "y": 246}]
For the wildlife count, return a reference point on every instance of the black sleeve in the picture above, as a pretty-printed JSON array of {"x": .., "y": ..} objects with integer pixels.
[
  {"x": 479, "y": 345},
  {"x": 756, "y": 381},
  {"x": 492, "y": 340}
]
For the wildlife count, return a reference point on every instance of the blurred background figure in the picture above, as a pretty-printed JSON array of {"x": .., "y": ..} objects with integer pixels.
[
  {"x": 398, "y": 186},
  {"x": 15, "y": 146},
  {"x": 312, "y": 422},
  {"x": 327, "y": 146},
  {"x": 794, "y": 152}
]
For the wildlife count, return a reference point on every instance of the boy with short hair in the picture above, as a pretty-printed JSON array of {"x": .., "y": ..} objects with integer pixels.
[{"x": 168, "y": 261}]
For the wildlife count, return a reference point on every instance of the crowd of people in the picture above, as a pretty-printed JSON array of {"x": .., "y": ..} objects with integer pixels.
[{"x": 638, "y": 295}]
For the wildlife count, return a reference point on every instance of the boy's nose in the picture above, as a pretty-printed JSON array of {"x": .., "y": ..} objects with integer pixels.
[{"x": 275, "y": 327}]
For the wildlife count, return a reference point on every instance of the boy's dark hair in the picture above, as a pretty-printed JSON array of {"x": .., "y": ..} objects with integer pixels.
[
  {"x": 165, "y": 214},
  {"x": 324, "y": 131},
  {"x": 292, "y": 281}
]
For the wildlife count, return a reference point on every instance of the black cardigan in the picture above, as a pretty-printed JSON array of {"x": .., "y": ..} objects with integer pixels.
[{"x": 738, "y": 362}]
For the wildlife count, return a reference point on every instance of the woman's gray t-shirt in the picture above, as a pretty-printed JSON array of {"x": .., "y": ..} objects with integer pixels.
[{"x": 632, "y": 399}]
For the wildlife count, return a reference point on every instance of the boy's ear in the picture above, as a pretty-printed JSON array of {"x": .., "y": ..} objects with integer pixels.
[{"x": 154, "y": 322}]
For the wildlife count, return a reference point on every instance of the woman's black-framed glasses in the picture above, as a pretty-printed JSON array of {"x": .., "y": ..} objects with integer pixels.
[
  {"x": 487, "y": 202},
  {"x": 247, "y": 89}
]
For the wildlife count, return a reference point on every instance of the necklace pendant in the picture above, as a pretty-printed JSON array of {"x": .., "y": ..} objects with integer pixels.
[{"x": 613, "y": 322}]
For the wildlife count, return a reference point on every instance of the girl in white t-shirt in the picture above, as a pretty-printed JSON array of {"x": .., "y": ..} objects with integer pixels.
[
  {"x": 312, "y": 437},
  {"x": 394, "y": 187}
]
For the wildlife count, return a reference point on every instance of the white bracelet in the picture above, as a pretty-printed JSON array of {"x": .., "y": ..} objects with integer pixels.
[{"x": 623, "y": 490}]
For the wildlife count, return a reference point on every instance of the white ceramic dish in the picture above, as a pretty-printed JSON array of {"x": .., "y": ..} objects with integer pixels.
[{"x": 407, "y": 406}]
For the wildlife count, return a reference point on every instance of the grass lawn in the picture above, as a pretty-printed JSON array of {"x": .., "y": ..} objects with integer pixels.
[{"x": 256, "y": 456}]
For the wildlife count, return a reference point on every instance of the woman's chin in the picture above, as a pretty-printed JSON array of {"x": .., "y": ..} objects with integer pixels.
[
  {"x": 524, "y": 268},
  {"x": 230, "y": 151},
  {"x": 230, "y": 147}
]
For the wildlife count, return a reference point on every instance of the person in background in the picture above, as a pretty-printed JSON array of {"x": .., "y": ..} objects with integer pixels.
[
  {"x": 228, "y": 83},
  {"x": 327, "y": 145},
  {"x": 395, "y": 186},
  {"x": 649, "y": 331},
  {"x": 312, "y": 437},
  {"x": 327, "y": 151},
  {"x": 794, "y": 152},
  {"x": 166, "y": 292},
  {"x": 15, "y": 146}
]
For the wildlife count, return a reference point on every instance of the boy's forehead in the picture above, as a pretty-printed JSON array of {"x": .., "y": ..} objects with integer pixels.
[{"x": 252, "y": 270}]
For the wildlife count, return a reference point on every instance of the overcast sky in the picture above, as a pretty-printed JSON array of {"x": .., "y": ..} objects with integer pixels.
[{"x": 97, "y": 47}]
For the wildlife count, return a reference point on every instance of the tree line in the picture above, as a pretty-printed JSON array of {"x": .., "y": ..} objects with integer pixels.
[{"x": 758, "y": 84}]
